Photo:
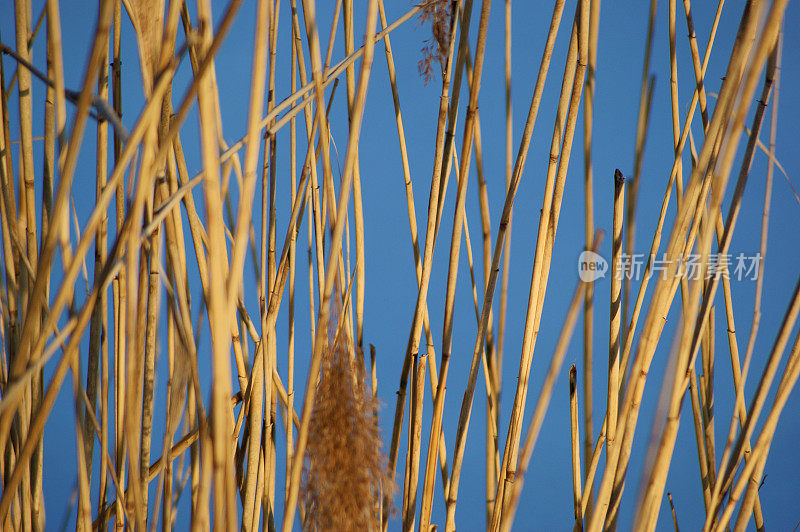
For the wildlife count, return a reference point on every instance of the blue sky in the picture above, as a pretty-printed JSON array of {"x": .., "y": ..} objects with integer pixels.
[{"x": 391, "y": 283}]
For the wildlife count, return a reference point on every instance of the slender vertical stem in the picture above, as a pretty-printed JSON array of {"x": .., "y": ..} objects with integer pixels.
[
  {"x": 641, "y": 137},
  {"x": 588, "y": 305},
  {"x": 615, "y": 315},
  {"x": 575, "y": 446},
  {"x": 566, "y": 118}
]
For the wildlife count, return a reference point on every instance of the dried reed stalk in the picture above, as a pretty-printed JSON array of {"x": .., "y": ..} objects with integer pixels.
[
  {"x": 588, "y": 294},
  {"x": 575, "y": 446},
  {"x": 164, "y": 299},
  {"x": 612, "y": 406},
  {"x": 566, "y": 118}
]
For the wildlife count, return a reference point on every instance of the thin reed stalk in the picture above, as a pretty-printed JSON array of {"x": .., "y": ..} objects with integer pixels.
[
  {"x": 543, "y": 401},
  {"x": 612, "y": 407},
  {"x": 175, "y": 395},
  {"x": 570, "y": 96},
  {"x": 575, "y": 440}
]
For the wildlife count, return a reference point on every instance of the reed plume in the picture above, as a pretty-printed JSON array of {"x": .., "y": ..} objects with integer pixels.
[
  {"x": 440, "y": 15},
  {"x": 345, "y": 469}
]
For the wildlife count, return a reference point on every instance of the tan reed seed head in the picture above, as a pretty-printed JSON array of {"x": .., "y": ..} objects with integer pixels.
[{"x": 345, "y": 467}]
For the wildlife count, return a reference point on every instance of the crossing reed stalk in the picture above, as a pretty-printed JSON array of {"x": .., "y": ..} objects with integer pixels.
[{"x": 163, "y": 162}]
